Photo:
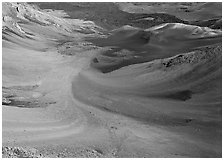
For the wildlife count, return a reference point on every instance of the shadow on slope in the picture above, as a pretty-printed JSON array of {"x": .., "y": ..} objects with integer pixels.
[
  {"x": 133, "y": 45},
  {"x": 188, "y": 11},
  {"x": 108, "y": 15},
  {"x": 157, "y": 93}
]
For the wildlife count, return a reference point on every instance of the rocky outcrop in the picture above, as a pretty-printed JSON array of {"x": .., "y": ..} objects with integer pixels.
[
  {"x": 19, "y": 152},
  {"x": 206, "y": 53},
  {"x": 5, "y": 101}
]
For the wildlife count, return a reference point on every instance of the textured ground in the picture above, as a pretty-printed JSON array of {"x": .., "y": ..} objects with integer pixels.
[{"x": 72, "y": 88}]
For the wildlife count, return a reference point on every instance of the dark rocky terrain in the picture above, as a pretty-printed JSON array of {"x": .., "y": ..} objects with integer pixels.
[{"x": 108, "y": 15}]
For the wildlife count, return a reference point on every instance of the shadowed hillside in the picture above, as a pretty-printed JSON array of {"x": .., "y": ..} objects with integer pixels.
[
  {"x": 108, "y": 14},
  {"x": 133, "y": 45}
]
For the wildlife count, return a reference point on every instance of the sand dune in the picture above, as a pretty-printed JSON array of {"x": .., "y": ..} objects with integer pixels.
[{"x": 132, "y": 92}]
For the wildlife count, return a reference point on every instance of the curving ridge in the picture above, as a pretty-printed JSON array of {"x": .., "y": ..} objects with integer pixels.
[
  {"x": 181, "y": 79},
  {"x": 158, "y": 42},
  {"x": 136, "y": 79},
  {"x": 136, "y": 93},
  {"x": 173, "y": 92}
]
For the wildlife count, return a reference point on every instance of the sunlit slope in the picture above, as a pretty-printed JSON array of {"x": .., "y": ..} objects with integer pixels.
[
  {"x": 34, "y": 32},
  {"x": 25, "y": 24},
  {"x": 36, "y": 77}
]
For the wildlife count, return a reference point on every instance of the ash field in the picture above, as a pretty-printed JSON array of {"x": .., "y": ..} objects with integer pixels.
[{"x": 111, "y": 80}]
